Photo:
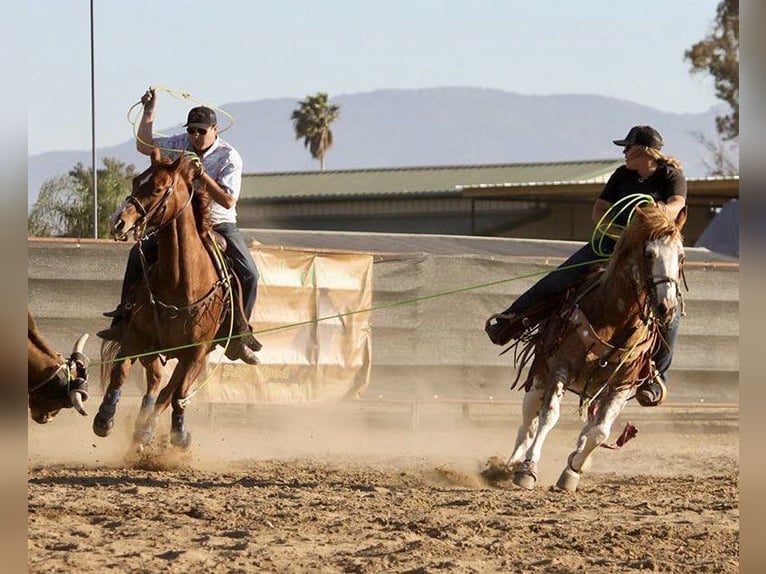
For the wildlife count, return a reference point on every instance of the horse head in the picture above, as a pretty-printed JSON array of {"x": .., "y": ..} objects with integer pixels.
[
  {"x": 661, "y": 267},
  {"x": 159, "y": 194}
]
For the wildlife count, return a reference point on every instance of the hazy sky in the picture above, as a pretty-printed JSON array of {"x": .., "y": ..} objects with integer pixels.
[{"x": 232, "y": 51}]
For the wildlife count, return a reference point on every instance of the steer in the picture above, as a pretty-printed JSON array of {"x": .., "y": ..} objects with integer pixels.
[{"x": 55, "y": 382}]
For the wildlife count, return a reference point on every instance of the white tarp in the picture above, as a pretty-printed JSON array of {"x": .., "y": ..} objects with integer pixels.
[{"x": 313, "y": 349}]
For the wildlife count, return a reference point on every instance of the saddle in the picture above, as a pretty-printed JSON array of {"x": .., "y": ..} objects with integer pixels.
[{"x": 215, "y": 243}]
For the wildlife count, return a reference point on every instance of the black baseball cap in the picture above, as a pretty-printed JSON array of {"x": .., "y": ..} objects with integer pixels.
[
  {"x": 201, "y": 117},
  {"x": 642, "y": 135}
]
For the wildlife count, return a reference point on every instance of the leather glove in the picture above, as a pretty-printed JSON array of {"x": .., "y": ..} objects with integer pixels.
[{"x": 148, "y": 100}]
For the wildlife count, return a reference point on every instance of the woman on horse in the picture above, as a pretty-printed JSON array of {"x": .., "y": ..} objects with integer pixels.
[
  {"x": 222, "y": 177},
  {"x": 646, "y": 171}
]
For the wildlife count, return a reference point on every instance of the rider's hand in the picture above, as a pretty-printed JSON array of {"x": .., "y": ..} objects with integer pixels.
[
  {"x": 197, "y": 168},
  {"x": 148, "y": 100}
]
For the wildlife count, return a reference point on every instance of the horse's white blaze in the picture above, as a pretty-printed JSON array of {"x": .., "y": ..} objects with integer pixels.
[{"x": 664, "y": 254}]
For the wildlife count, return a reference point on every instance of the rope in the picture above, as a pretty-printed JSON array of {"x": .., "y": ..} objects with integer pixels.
[
  {"x": 631, "y": 202},
  {"x": 350, "y": 313},
  {"x": 133, "y": 121},
  {"x": 605, "y": 224},
  {"x": 184, "y": 402}
]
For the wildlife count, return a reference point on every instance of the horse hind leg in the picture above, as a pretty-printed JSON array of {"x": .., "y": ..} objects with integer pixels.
[
  {"x": 593, "y": 434},
  {"x": 183, "y": 377},
  {"x": 525, "y": 474}
]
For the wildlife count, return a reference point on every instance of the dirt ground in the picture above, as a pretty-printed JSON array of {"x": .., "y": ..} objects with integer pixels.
[{"x": 319, "y": 492}]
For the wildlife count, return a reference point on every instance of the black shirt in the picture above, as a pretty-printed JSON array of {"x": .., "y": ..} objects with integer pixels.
[{"x": 665, "y": 182}]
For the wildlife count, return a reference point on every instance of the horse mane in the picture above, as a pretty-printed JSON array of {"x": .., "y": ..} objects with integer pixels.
[
  {"x": 648, "y": 223},
  {"x": 201, "y": 199}
]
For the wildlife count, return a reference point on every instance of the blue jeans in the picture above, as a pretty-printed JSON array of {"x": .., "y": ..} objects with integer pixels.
[
  {"x": 236, "y": 250},
  {"x": 559, "y": 280}
]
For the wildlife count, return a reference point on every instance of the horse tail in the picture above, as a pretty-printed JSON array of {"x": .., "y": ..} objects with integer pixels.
[{"x": 109, "y": 350}]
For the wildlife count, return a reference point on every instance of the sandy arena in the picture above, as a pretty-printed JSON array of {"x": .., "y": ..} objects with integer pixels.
[{"x": 312, "y": 490}]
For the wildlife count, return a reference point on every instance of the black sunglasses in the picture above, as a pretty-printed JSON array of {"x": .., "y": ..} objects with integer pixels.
[{"x": 199, "y": 131}]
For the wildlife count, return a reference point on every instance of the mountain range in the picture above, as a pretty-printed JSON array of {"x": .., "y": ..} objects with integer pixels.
[{"x": 430, "y": 127}]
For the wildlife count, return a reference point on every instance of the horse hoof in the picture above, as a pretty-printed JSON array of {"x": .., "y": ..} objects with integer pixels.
[
  {"x": 143, "y": 437},
  {"x": 102, "y": 424},
  {"x": 525, "y": 474},
  {"x": 523, "y": 479},
  {"x": 568, "y": 480},
  {"x": 181, "y": 440}
]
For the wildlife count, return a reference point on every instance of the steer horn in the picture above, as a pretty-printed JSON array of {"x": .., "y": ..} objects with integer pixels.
[
  {"x": 80, "y": 344},
  {"x": 77, "y": 396},
  {"x": 79, "y": 392}
]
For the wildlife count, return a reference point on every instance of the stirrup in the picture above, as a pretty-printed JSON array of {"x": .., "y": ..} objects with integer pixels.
[{"x": 653, "y": 392}]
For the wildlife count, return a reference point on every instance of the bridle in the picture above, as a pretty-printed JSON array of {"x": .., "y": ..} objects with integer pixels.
[
  {"x": 147, "y": 215},
  {"x": 653, "y": 281}
]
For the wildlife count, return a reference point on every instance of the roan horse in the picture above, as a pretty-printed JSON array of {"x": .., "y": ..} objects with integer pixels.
[
  {"x": 600, "y": 344},
  {"x": 54, "y": 383},
  {"x": 179, "y": 306}
]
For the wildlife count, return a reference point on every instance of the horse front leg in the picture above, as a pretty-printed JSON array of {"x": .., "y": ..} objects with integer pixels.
[
  {"x": 103, "y": 422},
  {"x": 143, "y": 430},
  {"x": 525, "y": 475},
  {"x": 530, "y": 409},
  {"x": 593, "y": 434}
]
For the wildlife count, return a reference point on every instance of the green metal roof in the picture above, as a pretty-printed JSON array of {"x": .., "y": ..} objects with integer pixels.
[{"x": 417, "y": 181}]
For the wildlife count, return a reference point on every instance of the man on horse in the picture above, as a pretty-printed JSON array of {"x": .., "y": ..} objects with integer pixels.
[
  {"x": 646, "y": 171},
  {"x": 221, "y": 175}
]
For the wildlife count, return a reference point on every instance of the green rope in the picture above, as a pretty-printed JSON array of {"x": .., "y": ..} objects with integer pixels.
[
  {"x": 606, "y": 224},
  {"x": 628, "y": 203},
  {"x": 356, "y": 312}
]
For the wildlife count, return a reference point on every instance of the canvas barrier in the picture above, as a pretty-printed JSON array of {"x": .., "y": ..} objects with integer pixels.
[{"x": 311, "y": 317}]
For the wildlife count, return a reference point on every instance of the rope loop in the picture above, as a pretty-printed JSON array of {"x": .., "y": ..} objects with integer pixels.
[{"x": 133, "y": 120}]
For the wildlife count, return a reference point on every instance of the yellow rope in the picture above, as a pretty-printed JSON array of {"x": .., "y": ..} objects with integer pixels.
[
  {"x": 184, "y": 402},
  {"x": 133, "y": 121},
  {"x": 606, "y": 226}
]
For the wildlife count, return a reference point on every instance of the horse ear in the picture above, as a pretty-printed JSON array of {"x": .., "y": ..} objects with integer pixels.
[
  {"x": 681, "y": 217},
  {"x": 155, "y": 155}
]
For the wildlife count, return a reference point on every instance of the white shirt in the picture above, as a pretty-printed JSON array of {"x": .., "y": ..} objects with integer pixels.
[{"x": 221, "y": 161}]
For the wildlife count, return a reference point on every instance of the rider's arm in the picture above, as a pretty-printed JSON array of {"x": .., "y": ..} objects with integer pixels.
[
  {"x": 674, "y": 205},
  {"x": 145, "y": 139},
  {"x": 217, "y": 193},
  {"x": 599, "y": 209}
]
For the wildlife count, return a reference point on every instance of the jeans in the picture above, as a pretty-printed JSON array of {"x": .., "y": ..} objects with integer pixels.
[
  {"x": 559, "y": 280},
  {"x": 236, "y": 250}
]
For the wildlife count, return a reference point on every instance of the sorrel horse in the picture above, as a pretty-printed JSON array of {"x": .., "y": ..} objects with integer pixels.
[
  {"x": 179, "y": 306},
  {"x": 600, "y": 343}
]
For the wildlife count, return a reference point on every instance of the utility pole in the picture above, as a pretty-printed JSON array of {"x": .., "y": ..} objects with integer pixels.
[{"x": 93, "y": 126}]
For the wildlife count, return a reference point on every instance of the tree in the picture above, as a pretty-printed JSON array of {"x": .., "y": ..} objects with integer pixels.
[
  {"x": 312, "y": 123},
  {"x": 718, "y": 55},
  {"x": 64, "y": 207}
]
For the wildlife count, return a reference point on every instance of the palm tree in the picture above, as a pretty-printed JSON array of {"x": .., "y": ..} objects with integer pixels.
[{"x": 312, "y": 123}]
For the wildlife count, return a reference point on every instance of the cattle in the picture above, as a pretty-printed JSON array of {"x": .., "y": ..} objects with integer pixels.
[{"x": 55, "y": 382}]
